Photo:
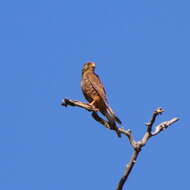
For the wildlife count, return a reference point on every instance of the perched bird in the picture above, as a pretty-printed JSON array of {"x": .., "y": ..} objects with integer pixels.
[{"x": 95, "y": 94}]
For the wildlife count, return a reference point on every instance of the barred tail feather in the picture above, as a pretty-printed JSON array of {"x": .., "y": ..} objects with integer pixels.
[
  {"x": 112, "y": 118},
  {"x": 112, "y": 114}
]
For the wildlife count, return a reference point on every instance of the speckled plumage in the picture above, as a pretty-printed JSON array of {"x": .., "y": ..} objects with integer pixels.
[{"x": 95, "y": 93}]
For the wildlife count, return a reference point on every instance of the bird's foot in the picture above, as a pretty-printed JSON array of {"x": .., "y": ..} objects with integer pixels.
[{"x": 93, "y": 107}]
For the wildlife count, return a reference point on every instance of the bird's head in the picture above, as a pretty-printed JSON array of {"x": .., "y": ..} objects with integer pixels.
[{"x": 89, "y": 66}]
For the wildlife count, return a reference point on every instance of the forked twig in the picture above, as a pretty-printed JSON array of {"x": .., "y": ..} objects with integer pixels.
[{"x": 137, "y": 146}]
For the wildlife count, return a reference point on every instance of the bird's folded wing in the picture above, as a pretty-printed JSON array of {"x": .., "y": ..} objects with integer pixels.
[{"x": 98, "y": 86}]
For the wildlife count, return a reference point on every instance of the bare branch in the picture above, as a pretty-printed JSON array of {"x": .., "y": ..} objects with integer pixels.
[
  {"x": 128, "y": 133},
  {"x": 157, "y": 112},
  {"x": 158, "y": 129},
  {"x": 136, "y": 145},
  {"x": 100, "y": 120},
  {"x": 149, "y": 125},
  {"x": 164, "y": 125},
  {"x": 67, "y": 102},
  {"x": 128, "y": 170}
]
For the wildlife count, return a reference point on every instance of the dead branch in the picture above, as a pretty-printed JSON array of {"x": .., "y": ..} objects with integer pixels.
[
  {"x": 128, "y": 169},
  {"x": 136, "y": 145},
  {"x": 67, "y": 102}
]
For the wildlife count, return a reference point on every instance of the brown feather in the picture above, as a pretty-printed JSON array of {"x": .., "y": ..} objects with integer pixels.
[{"x": 94, "y": 90}]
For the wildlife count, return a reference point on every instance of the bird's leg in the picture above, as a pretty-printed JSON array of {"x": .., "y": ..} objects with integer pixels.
[{"x": 93, "y": 103}]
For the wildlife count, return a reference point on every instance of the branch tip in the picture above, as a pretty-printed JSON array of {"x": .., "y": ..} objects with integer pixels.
[{"x": 159, "y": 111}]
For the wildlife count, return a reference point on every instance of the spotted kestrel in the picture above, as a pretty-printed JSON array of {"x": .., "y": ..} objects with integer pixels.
[{"x": 95, "y": 93}]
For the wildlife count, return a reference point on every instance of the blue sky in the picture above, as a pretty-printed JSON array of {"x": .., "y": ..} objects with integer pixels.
[{"x": 142, "y": 53}]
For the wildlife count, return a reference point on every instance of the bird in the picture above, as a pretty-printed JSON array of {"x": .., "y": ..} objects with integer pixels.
[{"x": 94, "y": 92}]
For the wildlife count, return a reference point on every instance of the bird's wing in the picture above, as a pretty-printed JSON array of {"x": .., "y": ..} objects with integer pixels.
[{"x": 98, "y": 86}]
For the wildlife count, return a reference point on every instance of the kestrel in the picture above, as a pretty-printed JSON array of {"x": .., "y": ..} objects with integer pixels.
[{"x": 95, "y": 94}]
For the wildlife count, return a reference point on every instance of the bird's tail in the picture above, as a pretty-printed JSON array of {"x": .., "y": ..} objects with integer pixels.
[
  {"x": 112, "y": 119},
  {"x": 112, "y": 114}
]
